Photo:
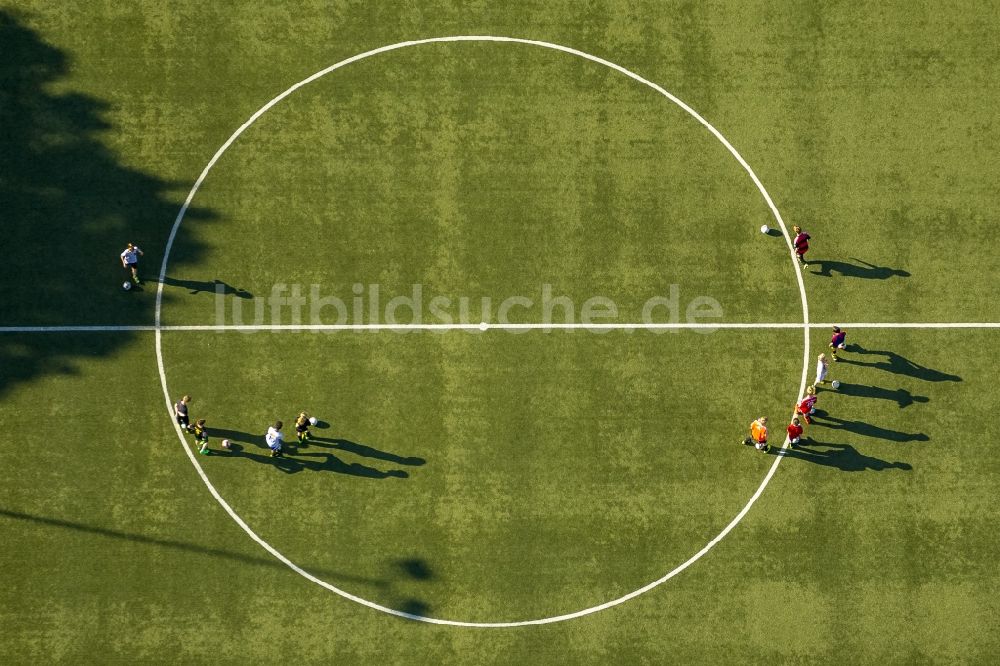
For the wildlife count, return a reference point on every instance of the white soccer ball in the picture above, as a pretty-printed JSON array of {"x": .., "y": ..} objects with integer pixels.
[
  {"x": 225, "y": 444},
  {"x": 765, "y": 229},
  {"x": 313, "y": 420},
  {"x": 836, "y": 384},
  {"x": 126, "y": 285}
]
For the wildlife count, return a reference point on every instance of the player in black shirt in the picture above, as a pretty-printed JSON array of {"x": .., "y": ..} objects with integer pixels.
[
  {"x": 302, "y": 428},
  {"x": 201, "y": 437},
  {"x": 181, "y": 413}
]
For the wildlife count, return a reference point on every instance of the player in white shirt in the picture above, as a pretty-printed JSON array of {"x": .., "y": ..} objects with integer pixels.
[
  {"x": 130, "y": 260},
  {"x": 822, "y": 367},
  {"x": 274, "y": 438}
]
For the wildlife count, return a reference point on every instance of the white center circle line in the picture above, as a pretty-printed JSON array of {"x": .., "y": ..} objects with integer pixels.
[{"x": 471, "y": 38}]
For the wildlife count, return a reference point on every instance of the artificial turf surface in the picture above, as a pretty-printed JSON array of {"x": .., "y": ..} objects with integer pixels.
[{"x": 492, "y": 476}]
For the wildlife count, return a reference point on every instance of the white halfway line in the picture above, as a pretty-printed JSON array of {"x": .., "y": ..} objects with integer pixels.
[{"x": 480, "y": 327}]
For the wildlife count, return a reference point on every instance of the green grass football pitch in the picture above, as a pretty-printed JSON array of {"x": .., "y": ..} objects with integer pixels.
[{"x": 497, "y": 476}]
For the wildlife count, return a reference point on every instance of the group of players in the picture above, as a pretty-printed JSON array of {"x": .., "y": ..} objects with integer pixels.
[
  {"x": 274, "y": 438},
  {"x": 807, "y": 406}
]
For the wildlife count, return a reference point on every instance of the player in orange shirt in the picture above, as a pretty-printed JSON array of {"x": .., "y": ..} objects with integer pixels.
[{"x": 758, "y": 434}]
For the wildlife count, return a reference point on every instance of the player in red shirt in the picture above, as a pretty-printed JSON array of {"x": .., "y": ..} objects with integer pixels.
[
  {"x": 807, "y": 404},
  {"x": 837, "y": 341},
  {"x": 801, "y": 245},
  {"x": 794, "y": 433}
]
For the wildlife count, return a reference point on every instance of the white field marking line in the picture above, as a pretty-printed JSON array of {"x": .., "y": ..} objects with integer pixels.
[
  {"x": 74, "y": 329},
  {"x": 468, "y": 38},
  {"x": 478, "y": 327}
]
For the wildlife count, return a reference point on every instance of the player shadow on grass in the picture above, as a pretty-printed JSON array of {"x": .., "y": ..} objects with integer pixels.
[
  {"x": 862, "y": 269},
  {"x": 844, "y": 457},
  {"x": 218, "y": 434},
  {"x": 824, "y": 420},
  {"x": 365, "y": 451},
  {"x": 199, "y": 286},
  {"x": 900, "y": 396},
  {"x": 896, "y": 364},
  {"x": 314, "y": 462},
  {"x": 295, "y": 448}
]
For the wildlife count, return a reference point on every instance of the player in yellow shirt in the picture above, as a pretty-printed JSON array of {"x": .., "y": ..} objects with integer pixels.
[{"x": 302, "y": 428}]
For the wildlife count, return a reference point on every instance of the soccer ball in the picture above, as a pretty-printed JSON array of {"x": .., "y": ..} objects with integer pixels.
[
  {"x": 126, "y": 285},
  {"x": 226, "y": 444},
  {"x": 812, "y": 410},
  {"x": 313, "y": 420},
  {"x": 764, "y": 229},
  {"x": 841, "y": 346},
  {"x": 835, "y": 384}
]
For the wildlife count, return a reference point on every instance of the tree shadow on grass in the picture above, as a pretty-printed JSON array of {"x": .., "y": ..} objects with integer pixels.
[
  {"x": 844, "y": 457},
  {"x": 861, "y": 269},
  {"x": 900, "y": 396},
  {"x": 240, "y": 558},
  {"x": 897, "y": 364},
  {"x": 69, "y": 206},
  {"x": 415, "y": 607},
  {"x": 398, "y": 572},
  {"x": 824, "y": 420},
  {"x": 415, "y": 568},
  {"x": 24, "y": 357},
  {"x": 412, "y": 569}
]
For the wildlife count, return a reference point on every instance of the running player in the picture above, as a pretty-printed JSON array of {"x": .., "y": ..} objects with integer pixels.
[
  {"x": 794, "y": 433},
  {"x": 130, "y": 260},
  {"x": 181, "y": 412},
  {"x": 837, "y": 341},
  {"x": 201, "y": 437},
  {"x": 801, "y": 244},
  {"x": 302, "y": 428},
  {"x": 807, "y": 404},
  {"x": 758, "y": 434},
  {"x": 274, "y": 438}
]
